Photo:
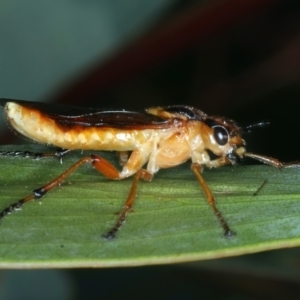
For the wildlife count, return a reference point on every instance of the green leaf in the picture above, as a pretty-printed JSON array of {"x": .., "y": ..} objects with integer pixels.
[{"x": 171, "y": 220}]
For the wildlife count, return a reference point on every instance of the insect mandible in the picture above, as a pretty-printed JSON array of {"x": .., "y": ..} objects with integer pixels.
[{"x": 160, "y": 137}]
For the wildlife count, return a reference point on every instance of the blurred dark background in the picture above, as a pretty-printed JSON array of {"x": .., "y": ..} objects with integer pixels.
[{"x": 240, "y": 59}]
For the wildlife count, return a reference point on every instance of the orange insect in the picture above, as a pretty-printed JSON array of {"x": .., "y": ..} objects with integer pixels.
[{"x": 160, "y": 137}]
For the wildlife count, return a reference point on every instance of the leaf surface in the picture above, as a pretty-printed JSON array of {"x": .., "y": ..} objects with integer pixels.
[{"x": 171, "y": 220}]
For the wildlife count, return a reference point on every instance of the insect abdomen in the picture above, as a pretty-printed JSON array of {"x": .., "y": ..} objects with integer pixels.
[{"x": 39, "y": 127}]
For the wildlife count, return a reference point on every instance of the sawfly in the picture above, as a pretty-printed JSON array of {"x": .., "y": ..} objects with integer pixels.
[{"x": 158, "y": 138}]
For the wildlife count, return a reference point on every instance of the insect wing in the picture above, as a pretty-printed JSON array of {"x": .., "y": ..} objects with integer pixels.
[{"x": 92, "y": 117}]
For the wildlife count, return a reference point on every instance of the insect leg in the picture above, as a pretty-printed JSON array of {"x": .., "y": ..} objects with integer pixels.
[
  {"x": 197, "y": 169},
  {"x": 272, "y": 161},
  {"x": 99, "y": 163},
  {"x": 123, "y": 157},
  {"x": 142, "y": 173},
  {"x": 59, "y": 153}
]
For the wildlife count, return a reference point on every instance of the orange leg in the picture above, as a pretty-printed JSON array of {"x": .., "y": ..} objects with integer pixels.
[
  {"x": 197, "y": 169},
  {"x": 105, "y": 168},
  {"x": 100, "y": 164},
  {"x": 142, "y": 173}
]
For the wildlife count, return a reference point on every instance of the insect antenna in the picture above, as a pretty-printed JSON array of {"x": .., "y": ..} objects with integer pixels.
[{"x": 248, "y": 129}]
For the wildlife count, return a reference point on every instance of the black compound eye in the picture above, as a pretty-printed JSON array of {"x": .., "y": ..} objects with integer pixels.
[{"x": 220, "y": 135}]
